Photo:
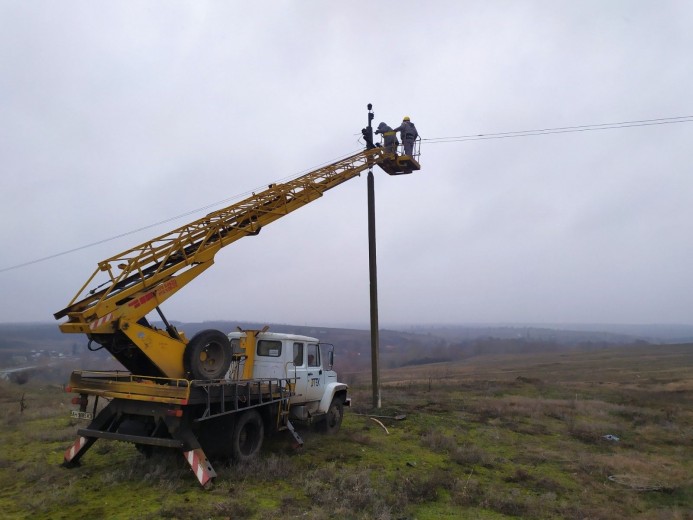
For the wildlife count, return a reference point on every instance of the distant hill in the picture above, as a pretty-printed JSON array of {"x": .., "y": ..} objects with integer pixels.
[
  {"x": 568, "y": 334},
  {"x": 410, "y": 345},
  {"x": 23, "y": 337}
]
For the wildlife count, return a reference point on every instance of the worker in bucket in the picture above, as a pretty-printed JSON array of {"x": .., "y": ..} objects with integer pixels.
[
  {"x": 408, "y": 133},
  {"x": 390, "y": 141}
]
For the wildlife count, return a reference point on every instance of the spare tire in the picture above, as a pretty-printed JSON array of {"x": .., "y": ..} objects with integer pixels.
[{"x": 207, "y": 355}]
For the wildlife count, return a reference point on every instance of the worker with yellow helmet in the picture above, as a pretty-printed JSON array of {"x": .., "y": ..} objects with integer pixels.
[{"x": 408, "y": 134}]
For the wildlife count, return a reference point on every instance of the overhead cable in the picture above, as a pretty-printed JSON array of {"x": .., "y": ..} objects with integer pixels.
[
  {"x": 225, "y": 201},
  {"x": 433, "y": 140},
  {"x": 561, "y": 130}
]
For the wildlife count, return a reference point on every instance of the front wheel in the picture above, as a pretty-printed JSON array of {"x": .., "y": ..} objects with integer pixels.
[
  {"x": 247, "y": 436},
  {"x": 334, "y": 416}
]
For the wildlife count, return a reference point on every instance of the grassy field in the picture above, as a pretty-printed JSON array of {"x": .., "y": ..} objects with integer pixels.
[{"x": 490, "y": 437}]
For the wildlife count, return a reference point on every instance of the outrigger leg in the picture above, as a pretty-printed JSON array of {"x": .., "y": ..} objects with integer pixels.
[
  {"x": 75, "y": 452},
  {"x": 194, "y": 455},
  {"x": 85, "y": 441},
  {"x": 297, "y": 437}
]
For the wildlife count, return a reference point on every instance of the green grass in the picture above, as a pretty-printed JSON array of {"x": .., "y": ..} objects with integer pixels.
[{"x": 493, "y": 437}]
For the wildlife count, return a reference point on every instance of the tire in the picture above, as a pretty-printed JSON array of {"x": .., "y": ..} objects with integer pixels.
[
  {"x": 143, "y": 428},
  {"x": 215, "y": 436},
  {"x": 247, "y": 436},
  {"x": 207, "y": 355},
  {"x": 334, "y": 416}
]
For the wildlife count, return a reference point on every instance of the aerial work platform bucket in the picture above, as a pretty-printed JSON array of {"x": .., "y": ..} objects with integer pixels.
[{"x": 400, "y": 164}]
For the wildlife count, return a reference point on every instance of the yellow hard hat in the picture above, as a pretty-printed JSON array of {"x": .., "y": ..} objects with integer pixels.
[{"x": 405, "y": 118}]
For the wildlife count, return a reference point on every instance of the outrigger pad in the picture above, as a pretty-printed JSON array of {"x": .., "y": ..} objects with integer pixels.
[
  {"x": 74, "y": 452},
  {"x": 200, "y": 465}
]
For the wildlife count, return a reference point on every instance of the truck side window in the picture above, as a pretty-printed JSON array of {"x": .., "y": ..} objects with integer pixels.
[
  {"x": 313, "y": 355},
  {"x": 298, "y": 354},
  {"x": 271, "y": 348}
]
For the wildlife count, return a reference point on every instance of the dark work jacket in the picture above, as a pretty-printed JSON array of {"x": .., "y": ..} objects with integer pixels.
[
  {"x": 407, "y": 131},
  {"x": 389, "y": 137}
]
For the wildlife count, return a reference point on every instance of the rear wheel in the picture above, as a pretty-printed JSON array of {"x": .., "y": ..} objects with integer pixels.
[
  {"x": 215, "y": 436},
  {"x": 207, "y": 355},
  {"x": 139, "y": 427},
  {"x": 247, "y": 436}
]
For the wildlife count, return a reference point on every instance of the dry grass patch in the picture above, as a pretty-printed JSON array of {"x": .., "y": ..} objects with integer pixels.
[
  {"x": 658, "y": 470},
  {"x": 517, "y": 436}
]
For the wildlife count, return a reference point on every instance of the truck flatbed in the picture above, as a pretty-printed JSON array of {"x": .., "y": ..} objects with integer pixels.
[{"x": 124, "y": 385}]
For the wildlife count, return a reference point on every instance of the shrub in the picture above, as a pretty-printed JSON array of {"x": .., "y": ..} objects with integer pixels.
[{"x": 470, "y": 454}]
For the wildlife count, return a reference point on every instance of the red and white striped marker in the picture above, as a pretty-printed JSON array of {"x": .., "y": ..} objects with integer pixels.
[
  {"x": 101, "y": 321},
  {"x": 75, "y": 448},
  {"x": 200, "y": 465}
]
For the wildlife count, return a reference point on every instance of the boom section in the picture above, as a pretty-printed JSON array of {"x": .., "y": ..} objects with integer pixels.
[{"x": 139, "y": 279}]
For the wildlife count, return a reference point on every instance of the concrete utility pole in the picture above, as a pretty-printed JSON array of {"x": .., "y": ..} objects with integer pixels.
[{"x": 373, "y": 269}]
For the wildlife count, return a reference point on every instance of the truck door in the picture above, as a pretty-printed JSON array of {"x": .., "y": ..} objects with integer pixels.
[
  {"x": 268, "y": 359},
  {"x": 310, "y": 377}
]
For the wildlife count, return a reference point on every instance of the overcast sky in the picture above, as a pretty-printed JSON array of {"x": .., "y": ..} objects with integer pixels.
[{"x": 118, "y": 115}]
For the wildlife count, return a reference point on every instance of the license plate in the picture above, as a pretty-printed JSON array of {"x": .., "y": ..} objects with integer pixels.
[{"x": 76, "y": 414}]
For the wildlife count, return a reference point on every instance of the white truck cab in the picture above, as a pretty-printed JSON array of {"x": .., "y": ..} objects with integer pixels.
[{"x": 318, "y": 396}]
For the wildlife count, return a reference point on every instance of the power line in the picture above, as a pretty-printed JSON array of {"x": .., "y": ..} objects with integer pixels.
[
  {"x": 433, "y": 140},
  {"x": 561, "y": 130},
  {"x": 115, "y": 237},
  {"x": 165, "y": 221}
]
